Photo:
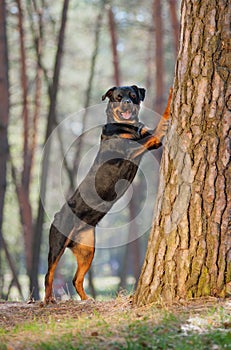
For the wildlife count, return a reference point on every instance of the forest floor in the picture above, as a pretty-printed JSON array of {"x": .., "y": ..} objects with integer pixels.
[{"x": 116, "y": 324}]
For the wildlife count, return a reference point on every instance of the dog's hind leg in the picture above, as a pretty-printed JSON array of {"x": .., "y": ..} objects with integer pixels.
[
  {"x": 83, "y": 250},
  {"x": 57, "y": 244}
]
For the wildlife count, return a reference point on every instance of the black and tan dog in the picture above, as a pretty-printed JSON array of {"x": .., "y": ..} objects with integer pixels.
[{"x": 124, "y": 140}]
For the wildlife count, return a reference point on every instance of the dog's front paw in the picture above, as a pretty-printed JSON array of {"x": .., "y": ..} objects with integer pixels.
[
  {"x": 50, "y": 300},
  {"x": 161, "y": 129}
]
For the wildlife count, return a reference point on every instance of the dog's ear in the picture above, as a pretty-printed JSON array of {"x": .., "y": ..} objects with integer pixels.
[
  {"x": 108, "y": 93},
  {"x": 140, "y": 91}
]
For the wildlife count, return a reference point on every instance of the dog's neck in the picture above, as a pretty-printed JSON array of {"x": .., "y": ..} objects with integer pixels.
[{"x": 117, "y": 129}]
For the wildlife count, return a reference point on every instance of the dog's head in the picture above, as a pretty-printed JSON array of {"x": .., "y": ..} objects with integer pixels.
[{"x": 124, "y": 103}]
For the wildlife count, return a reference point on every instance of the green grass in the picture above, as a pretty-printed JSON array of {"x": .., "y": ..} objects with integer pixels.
[
  {"x": 170, "y": 337},
  {"x": 110, "y": 326}
]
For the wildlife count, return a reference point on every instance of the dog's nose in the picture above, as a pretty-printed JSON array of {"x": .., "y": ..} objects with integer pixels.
[{"x": 126, "y": 101}]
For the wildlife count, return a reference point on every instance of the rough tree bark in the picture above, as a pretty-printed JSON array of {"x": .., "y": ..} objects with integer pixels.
[{"x": 189, "y": 250}]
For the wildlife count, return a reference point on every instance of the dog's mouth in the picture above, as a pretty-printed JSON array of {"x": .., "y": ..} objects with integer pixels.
[
  {"x": 122, "y": 113},
  {"x": 126, "y": 115}
]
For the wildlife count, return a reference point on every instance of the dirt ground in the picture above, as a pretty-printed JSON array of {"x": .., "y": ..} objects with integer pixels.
[
  {"x": 16, "y": 313},
  {"x": 115, "y": 324}
]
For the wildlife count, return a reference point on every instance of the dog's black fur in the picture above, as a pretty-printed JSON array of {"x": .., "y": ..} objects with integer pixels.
[{"x": 124, "y": 140}]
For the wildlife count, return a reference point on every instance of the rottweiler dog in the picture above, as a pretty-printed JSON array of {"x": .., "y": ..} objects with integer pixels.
[{"x": 124, "y": 140}]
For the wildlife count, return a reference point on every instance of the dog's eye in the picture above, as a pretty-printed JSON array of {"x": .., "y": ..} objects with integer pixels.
[
  {"x": 133, "y": 95},
  {"x": 119, "y": 97}
]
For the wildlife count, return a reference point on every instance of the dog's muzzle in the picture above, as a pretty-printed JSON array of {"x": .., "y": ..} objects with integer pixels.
[
  {"x": 123, "y": 111},
  {"x": 126, "y": 109}
]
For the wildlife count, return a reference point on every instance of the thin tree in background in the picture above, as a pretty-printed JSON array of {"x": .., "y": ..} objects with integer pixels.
[
  {"x": 4, "y": 147},
  {"x": 175, "y": 25},
  {"x": 117, "y": 81},
  {"x": 4, "y": 110},
  {"x": 53, "y": 92},
  {"x": 189, "y": 250},
  {"x": 22, "y": 178},
  {"x": 80, "y": 142},
  {"x": 149, "y": 59},
  {"x": 159, "y": 57},
  {"x": 132, "y": 249},
  {"x": 30, "y": 115},
  {"x": 114, "y": 44},
  {"x": 132, "y": 256},
  {"x": 159, "y": 63}
]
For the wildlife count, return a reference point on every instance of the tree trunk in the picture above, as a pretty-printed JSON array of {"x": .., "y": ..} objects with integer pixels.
[{"x": 189, "y": 250}]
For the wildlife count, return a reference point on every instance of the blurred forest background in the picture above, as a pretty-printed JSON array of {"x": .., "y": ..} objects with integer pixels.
[{"x": 60, "y": 58}]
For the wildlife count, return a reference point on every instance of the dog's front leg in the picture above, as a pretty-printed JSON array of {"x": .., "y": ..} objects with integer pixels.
[{"x": 154, "y": 140}]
